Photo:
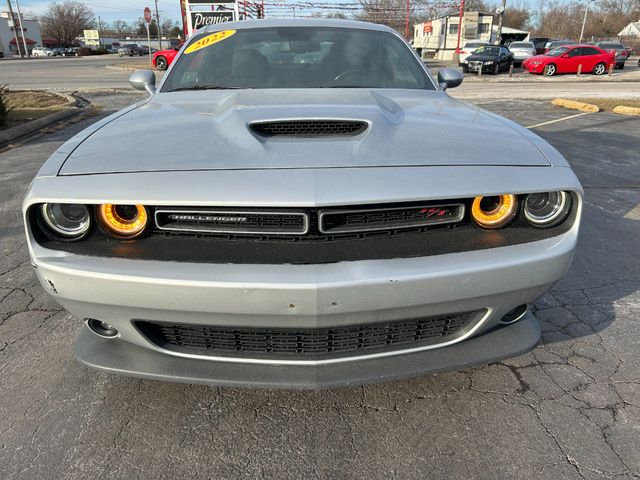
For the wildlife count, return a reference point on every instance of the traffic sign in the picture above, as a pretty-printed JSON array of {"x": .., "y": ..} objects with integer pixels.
[{"x": 147, "y": 14}]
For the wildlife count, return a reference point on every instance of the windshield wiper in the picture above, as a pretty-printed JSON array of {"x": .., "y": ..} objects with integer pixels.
[{"x": 207, "y": 87}]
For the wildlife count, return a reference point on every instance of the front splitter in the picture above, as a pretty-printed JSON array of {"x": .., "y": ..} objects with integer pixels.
[{"x": 125, "y": 358}]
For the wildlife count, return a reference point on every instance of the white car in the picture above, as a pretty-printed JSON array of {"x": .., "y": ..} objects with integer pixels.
[
  {"x": 41, "y": 52},
  {"x": 468, "y": 49},
  {"x": 522, "y": 50}
]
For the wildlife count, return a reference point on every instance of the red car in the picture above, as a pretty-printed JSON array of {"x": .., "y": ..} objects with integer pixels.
[
  {"x": 566, "y": 59},
  {"x": 163, "y": 58}
]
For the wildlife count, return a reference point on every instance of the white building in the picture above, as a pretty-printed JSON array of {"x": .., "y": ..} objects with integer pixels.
[
  {"x": 631, "y": 30},
  {"x": 439, "y": 37},
  {"x": 31, "y": 30}
]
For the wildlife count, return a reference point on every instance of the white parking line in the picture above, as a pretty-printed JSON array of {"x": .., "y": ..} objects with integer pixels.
[
  {"x": 558, "y": 120},
  {"x": 634, "y": 213}
]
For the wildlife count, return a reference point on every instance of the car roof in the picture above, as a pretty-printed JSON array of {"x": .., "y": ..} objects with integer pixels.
[{"x": 296, "y": 22}]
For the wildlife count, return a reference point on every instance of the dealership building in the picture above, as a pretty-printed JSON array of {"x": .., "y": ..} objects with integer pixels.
[
  {"x": 31, "y": 30},
  {"x": 438, "y": 38}
]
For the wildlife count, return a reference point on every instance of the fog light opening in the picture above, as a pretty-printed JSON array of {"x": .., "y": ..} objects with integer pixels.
[
  {"x": 101, "y": 328},
  {"x": 514, "y": 315}
]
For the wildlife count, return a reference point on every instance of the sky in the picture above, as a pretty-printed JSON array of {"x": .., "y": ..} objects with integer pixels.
[
  {"x": 108, "y": 10},
  {"x": 131, "y": 10}
]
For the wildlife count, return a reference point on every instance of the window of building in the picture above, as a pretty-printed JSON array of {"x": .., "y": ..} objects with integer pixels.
[
  {"x": 453, "y": 29},
  {"x": 483, "y": 28}
]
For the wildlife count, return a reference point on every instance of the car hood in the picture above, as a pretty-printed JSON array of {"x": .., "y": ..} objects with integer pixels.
[
  {"x": 482, "y": 58},
  {"x": 209, "y": 130}
]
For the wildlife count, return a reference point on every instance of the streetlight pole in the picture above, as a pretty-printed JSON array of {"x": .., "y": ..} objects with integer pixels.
[
  {"x": 158, "y": 25},
  {"x": 584, "y": 21}
]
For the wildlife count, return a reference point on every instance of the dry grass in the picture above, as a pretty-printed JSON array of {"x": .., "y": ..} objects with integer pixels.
[
  {"x": 25, "y": 106},
  {"x": 25, "y": 99},
  {"x": 608, "y": 104}
]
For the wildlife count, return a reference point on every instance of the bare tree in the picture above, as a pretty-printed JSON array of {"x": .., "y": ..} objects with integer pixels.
[
  {"x": 516, "y": 17},
  {"x": 66, "y": 20},
  {"x": 605, "y": 20},
  {"x": 120, "y": 27}
]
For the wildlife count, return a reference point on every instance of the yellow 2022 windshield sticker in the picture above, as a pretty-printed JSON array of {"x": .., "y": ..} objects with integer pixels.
[{"x": 209, "y": 40}]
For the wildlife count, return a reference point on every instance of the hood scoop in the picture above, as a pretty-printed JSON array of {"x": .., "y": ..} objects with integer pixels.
[{"x": 309, "y": 128}]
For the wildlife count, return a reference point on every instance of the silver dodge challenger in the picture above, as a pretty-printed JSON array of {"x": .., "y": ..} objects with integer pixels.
[{"x": 294, "y": 206}]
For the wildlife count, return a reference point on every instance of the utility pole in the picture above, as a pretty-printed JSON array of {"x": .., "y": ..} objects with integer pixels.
[
  {"x": 294, "y": 11},
  {"x": 502, "y": 10},
  {"x": 99, "y": 32},
  {"x": 584, "y": 22},
  {"x": 24, "y": 40},
  {"x": 15, "y": 32},
  {"x": 158, "y": 25}
]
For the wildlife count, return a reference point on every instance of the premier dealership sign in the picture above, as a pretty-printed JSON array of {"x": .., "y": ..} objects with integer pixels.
[
  {"x": 202, "y": 13},
  {"x": 202, "y": 19}
]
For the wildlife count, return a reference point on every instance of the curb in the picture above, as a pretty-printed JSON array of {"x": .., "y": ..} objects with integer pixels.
[
  {"x": 128, "y": 68},
  {"x": 16, "y": 133},
  {"x": 622, "y": 110},
  {"x": 583, "y": 107}
]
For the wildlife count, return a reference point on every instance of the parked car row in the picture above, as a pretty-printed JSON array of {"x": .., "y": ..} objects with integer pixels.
[
  {"x": 54, "y": 52},
  {"x": 134, "y": 49},
  {"x": 549, "y": 58}
]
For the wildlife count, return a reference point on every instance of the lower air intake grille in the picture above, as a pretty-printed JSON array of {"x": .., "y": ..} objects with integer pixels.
[
  {"x": 309, "y": 128},
  {"x": 280, "y": 343}
]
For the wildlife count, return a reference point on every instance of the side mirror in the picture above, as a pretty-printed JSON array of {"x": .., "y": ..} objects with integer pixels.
[
  {"x": 449, "y": 78},
  {"x": 143, "y": 80}
]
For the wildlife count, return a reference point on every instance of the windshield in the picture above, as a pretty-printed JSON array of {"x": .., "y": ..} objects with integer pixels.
[
  {"x": 521, "y": 45},
  {"x": 297, "y": 57},
  {"x": 487, "y": 51},
  {"x": 611, "y": 45},
  {"x": 556, "y": 52},
  {"x": 473, "y": 45}
]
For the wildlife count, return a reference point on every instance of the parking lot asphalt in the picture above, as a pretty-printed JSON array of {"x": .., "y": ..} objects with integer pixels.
[{"x": 568, "y": 410}]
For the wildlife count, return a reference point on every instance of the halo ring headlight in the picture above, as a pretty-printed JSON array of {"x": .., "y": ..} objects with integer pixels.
[
  {"x": 546, "y": 209},
  {"x": 67, "y": 220},
  {"x": 124, "y": 221},
  {"x": 494, "y": 211}
]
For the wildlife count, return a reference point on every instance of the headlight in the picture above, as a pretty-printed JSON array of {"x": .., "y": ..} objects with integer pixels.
[
  {"x": 495, "y": 211},
  {"x": 535, "y": 63},
  {"x": 490, "y": 62},
  {"x": 68, "y": 220},
  {"x": 124, "y": 221},
  {"x": 547, "y": 209}
]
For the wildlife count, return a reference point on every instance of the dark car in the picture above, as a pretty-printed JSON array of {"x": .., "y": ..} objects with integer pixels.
[
  {"x": 489, "y": 59},
  {"x": 619, "y": 49},
  {"x": 557, "y": 43},
  {"x": 539, "y": 43},
  {"x": 131, "y": 50}
]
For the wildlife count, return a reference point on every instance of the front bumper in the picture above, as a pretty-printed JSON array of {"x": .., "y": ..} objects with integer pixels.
[
  {"x": 120, "y": 291},
  {"x": 120, "y": 357}
]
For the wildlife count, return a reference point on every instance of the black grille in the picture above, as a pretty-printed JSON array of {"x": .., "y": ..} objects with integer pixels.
[
  {"x": 362, "y": 220},
  {"x": 231, "y": 221},
  {"x": 302, "y": 343},
  {"x": 310, "y": 128}
]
